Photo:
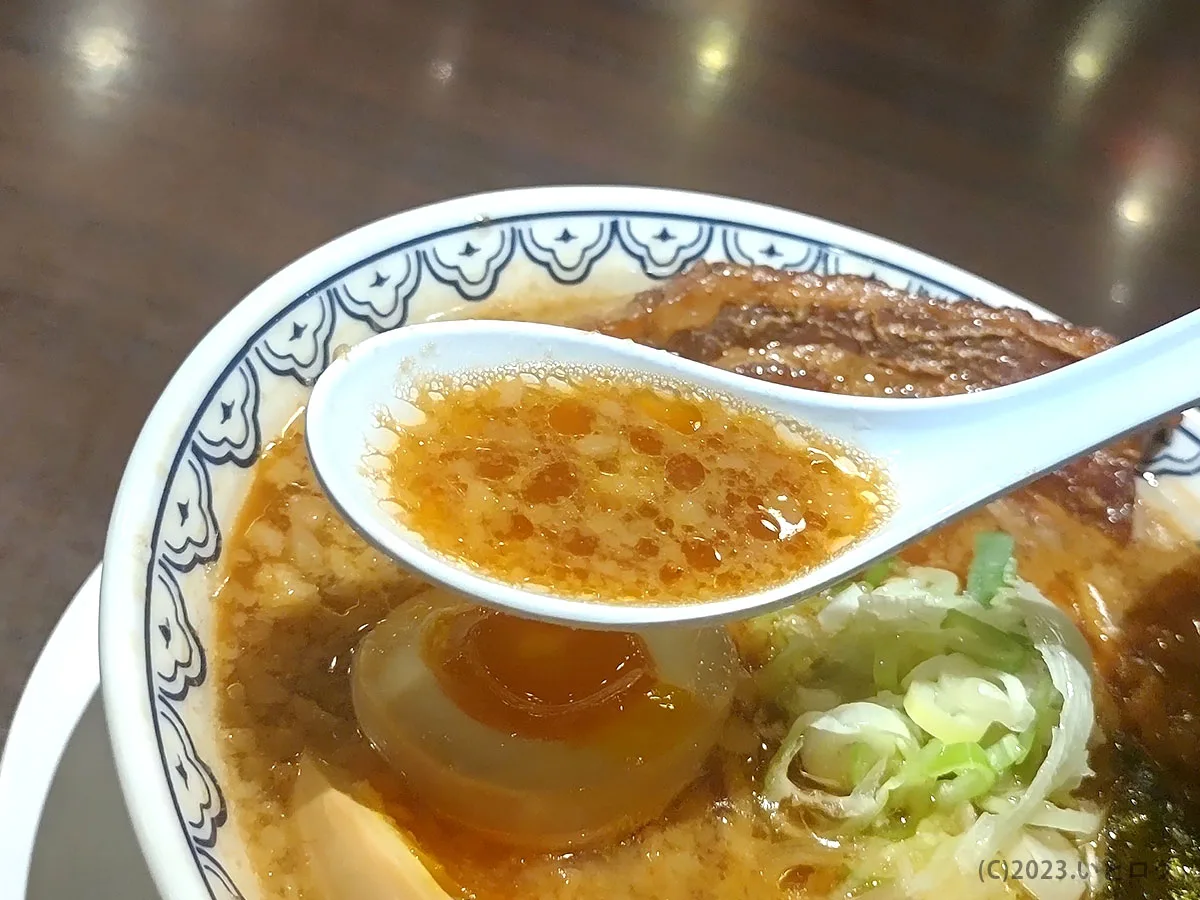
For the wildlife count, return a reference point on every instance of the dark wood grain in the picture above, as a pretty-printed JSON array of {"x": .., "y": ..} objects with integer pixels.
[{"x": 159, "y": 159}]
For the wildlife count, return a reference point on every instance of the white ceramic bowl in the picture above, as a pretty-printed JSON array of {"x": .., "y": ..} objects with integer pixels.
[{"x": 192, "y": 464}]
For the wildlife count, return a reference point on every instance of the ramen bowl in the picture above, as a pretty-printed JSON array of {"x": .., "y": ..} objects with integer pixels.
[{"x": 189, "y": 473}]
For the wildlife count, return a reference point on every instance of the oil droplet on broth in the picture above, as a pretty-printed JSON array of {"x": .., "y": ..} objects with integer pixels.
[{"x": 599, "y": 486}]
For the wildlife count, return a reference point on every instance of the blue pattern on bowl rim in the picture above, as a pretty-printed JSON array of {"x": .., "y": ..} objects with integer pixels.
[{"x": 377, "y": 292}]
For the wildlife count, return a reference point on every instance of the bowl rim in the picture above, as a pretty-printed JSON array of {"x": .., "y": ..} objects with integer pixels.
[{"x": 126, "y": 678}]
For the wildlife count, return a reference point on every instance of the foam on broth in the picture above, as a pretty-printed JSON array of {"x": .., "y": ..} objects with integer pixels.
[{"x": 602, "y": 486}]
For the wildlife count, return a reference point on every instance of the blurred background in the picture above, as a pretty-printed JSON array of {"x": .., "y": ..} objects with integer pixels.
[{"x": 159, "y": 159}]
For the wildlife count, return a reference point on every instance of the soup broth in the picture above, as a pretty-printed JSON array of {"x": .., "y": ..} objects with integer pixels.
[
  {"x": 300, "y": 594},
  {"x": 606, "y": 488},
  {"x": 300, "y": 590}
]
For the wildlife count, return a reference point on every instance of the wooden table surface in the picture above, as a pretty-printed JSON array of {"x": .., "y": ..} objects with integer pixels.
[{"x": 159, "y": 159}]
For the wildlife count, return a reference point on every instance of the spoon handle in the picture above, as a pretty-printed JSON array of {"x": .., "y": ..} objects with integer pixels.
[
  {"x": 1019, "y": 432},
  {"x": 1116, "y": 392}
]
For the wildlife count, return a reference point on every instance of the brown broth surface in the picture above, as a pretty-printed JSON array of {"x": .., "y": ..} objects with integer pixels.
[
  {"x": 300, "y": 588},
  {"x": 606, "y": 488}
]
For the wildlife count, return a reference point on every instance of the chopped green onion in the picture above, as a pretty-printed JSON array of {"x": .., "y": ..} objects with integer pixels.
[
  {"x": 970, "y": 784},
  {"x": 862, "y": 759},
  {"x": 1037, "y": 739},
  {"x": 903, "y": 824},
  {"x": 951, "y": 758},
  {"x": 986, "y": 643},
  {"x": 917, "y": 801},
  {"x": 872, "y": 576},
  {"x": 969, "y": 764},
  {"x": 877, "y": 573},
  {"x": 1010, "y": 750},
  {"x": 912, "y": 704},
  {"x": 887, "y": 667},
  {"x": 839, "y": 587},
  {"x": 993, "y": 554}
]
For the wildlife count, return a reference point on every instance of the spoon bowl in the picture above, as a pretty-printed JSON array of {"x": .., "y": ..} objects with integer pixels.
[{"x": 942, "y": 457}]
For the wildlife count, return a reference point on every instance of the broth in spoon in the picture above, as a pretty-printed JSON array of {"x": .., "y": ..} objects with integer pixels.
[{"x": 612, "y": 488}]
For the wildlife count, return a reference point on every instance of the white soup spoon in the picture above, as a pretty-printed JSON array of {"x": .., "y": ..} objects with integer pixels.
[{"x": 942, "y": 456}]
